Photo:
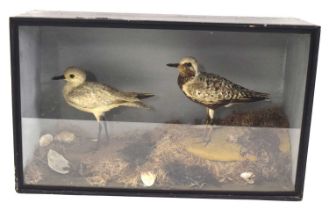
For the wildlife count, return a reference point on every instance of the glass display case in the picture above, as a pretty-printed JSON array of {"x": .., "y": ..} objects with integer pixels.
[{"x": 160, "y": 105}]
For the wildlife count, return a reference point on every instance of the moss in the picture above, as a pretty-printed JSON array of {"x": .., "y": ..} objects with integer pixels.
[
  {"x": 137, "y": 153},
  {"x": 270, "y": 117},
  {"x": 193, "y": 176}
]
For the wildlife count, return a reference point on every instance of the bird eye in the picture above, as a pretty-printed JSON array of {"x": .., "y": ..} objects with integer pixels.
[{"x": 71, "y": 76}]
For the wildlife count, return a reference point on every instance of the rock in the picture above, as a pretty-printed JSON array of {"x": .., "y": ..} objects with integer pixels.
[
  {"x": 57, "y": 162},
  {"x": 248, "y": 176},
  {"x": 220, "y": 147},
  {"x": 45, "y": 140},
  {"x": 65, "y": 136},
  {"x": 148, "y": 178}
]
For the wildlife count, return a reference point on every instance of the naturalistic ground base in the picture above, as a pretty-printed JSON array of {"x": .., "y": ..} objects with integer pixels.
[{"x": 175, "y": 156}]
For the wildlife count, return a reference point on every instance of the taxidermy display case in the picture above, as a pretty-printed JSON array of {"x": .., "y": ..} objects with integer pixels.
[{"x": 162, "y": 105}]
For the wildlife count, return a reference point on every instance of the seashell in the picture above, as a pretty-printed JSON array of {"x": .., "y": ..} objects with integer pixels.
[
  {"x": 148, "y": 178},
  {"x": 45, "y": 140},
  {"x": 65, "y": 136},
  {"x": 57, "y": 162},
  {"x": 248, "y": 176}
]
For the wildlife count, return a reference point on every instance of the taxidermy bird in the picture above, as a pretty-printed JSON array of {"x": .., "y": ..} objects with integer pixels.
[
  {"x": 211, "y": 90},
  {"x": 96, "y": 98}
]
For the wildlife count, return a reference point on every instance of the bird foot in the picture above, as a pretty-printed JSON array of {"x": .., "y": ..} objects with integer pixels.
[
  {"x": 208, "y": 132},
  {"x": 207, "y": 140},
  {"x": 204, "y": 141},
  {"x": 97, "y": 144},
  {"x": 208, "y": 121}
]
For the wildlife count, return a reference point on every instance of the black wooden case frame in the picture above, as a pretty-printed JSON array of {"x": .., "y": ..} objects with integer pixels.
[{"x": 312, "y": 30}]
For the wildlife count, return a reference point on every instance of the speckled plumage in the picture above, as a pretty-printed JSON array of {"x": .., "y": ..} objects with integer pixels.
[
  {"x": 91, "y": 95},
  {"x": 94, "y": 97},
  {"x": 211, "y": 90},
  {"x": 214, "y": 91}
]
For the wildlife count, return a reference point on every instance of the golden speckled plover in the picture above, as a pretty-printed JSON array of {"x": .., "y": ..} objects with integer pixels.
[
  {"x": 211, "y": 90},
  {"x": 96, "y": 98}
]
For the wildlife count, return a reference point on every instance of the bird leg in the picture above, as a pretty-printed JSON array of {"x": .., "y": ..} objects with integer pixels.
[
  {"x": 101, "y": 124},
  {"x": 209, "y": 124},
  {"x": 99, "y": 134},
  {"x": 105, "y": 126},
  {"x": 210, "y": 116}
]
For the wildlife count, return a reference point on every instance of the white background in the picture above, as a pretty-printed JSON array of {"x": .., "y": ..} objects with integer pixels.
[{"x": 317, "y": 176}]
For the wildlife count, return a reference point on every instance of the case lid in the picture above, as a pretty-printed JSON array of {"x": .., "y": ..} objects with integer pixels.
[{"x": 165, "y": 18}]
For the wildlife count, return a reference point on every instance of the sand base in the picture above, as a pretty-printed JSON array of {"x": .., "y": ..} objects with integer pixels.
[{"x": 178, "y": 157}]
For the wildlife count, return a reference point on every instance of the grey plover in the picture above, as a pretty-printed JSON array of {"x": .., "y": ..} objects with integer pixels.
[
  {"x": 94, "y": 97},
  {"x": 211, "y": 90}
]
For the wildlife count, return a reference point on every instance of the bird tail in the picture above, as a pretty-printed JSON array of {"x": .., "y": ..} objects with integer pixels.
[
  {"x": 140, "y": 95},
  {"x": 261, "y": 96},
  {"x": 138, "y": 104},
  {"x": 144, "y": 95}
]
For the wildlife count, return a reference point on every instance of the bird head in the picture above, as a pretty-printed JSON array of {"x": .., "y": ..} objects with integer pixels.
[
  {"x": 72, "y": 75},
  {"x": 187, "y": 66}
]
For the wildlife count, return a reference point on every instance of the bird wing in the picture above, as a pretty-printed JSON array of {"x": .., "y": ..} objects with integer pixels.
[
  {"x": 202, "y": 89},
  {"x": 92, "y": 95},
  {"x": 210, "y": 89}
]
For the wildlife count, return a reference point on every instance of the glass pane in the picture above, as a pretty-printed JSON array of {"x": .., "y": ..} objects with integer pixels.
[{"x": 169, "y": 140}]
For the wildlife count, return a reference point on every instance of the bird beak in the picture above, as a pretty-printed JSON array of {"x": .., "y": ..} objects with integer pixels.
[
  {"x": 58, "y": 77},
  {"x": 173, "y": 65}
]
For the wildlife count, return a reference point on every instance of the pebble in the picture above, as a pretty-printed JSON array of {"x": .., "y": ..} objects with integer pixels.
[
  {"x": 248, "y": 176},
  {"x": 45, "y": 140},
  {"x": 57, "y": 162},
  {"x": 65, "y": 136}
]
